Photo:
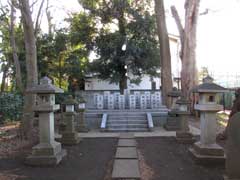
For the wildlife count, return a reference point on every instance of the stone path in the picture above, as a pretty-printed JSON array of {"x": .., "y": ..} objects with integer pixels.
[{"x": 126, "y": 165}]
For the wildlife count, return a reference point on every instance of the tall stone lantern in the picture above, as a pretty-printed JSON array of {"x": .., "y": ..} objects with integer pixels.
[
  {"x": 69, "y": 135},
  {"x": 48, "y": 151},
  {"x": 80, "y": 119},
  {"x": 206, "y": 150}
]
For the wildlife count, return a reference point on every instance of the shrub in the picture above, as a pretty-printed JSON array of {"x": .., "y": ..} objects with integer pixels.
[{"x": 11, "y": 106}]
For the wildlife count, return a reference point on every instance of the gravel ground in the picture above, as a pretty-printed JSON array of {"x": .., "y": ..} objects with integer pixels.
[{"x": 165, "y": 159}]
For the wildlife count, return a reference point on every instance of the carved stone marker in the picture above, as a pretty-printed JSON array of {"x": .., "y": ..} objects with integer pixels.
[
  {"x": 110, "y": 101},
  {"x": 48, "y": 152},
  {"x": 143, "y": 102},
  {"x": 158, "y": 99},
  {"x": 105, "y": 99},
  {"x": 95, "y": 99},
  {"x": 121, "y": 102},
  {"x": 116, "y": 100},
  {"x": 100, "y": 102},
  {"x": 132, "y": 102},
  {"x": 233, "y": 148},
  {"x": 137, "y": 96},
  {"x": 148, "y": 100}
]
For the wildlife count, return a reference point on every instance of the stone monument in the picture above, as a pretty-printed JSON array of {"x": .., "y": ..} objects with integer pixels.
[
  {"x": 48, "y": 152},
  {"x": 69, "y": 135},
  {"x": 233, "y": 148},
  {"x": 206, "y": 150},
  {"x": 184, "y": 135}
]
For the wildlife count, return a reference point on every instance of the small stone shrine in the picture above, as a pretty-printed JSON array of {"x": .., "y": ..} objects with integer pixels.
[
  {"x": 173, "y": 120},
  {"x": 233, "y": 148},
  {"x": 184, "y": 135},
  {"x": 206, "y": 150},
  {"x": 69, "y": 135},
  {"x": 48, "y": 152}
]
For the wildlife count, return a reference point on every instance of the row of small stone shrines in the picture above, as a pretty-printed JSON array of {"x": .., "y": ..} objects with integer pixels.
[{"x": 138, "y": 100}]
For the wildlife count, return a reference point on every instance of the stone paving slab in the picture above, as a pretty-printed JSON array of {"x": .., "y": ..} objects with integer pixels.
[
  {"x": 126, "y": 143},
  {"x": 126, "y": 136},
  {"x": 126, "y": 169},
  {"x": 126, "y": 153}
]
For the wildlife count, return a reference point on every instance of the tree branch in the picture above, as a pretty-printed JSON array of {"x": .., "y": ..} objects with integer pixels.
[{"x": 37, "y": 24}]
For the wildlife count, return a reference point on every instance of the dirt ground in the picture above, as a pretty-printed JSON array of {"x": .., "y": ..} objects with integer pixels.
[
  {"x": 168, "y": 160},
  {"x": 90, "y": 160}
]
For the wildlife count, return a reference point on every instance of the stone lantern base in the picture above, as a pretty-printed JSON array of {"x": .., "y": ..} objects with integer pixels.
[
  {"x": 81, "y": 128},
  {"x": 185, "y": 137},
  {"x": 173, "y": 121},
  {"x": 45, "y": 154},
  {"x": 207, "y": 154},
  {"x": 70, "y": 138}
]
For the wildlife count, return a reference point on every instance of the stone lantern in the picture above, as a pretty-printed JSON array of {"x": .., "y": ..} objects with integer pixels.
[
  {"x": 80, "y": 119},
  {"x": 183, "y": 135},
  {"x": 206, "y": 150},
  {"x": 48, "y": 151},
  {"x": 172, "y": 123},
  {"x": 69, "y": 135}
]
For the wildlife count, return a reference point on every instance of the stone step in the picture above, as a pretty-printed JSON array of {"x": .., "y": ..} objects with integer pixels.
[
  {"x": 127, "y": 117},
  {"x": 126, "y": 153},
  {"x": 127, "y": 126},
  {"x": 127, "y": 129},
  {"x": 112, "y": 122}
]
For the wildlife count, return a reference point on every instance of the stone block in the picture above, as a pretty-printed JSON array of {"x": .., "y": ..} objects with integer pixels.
[
  {"x": 185, "y": 137},
  {"x": 126, "y": 143},
  {"x": 126, "y": 169},
  {"x": 126, "y": 136},
  {"x": 126, "y": 153}
]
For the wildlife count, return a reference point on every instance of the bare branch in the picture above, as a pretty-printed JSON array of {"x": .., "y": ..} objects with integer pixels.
[{"x": 37, "y": 24}]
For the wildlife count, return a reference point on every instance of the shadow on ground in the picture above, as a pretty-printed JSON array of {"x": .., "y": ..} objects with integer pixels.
[{"x": 90, "y": 160}]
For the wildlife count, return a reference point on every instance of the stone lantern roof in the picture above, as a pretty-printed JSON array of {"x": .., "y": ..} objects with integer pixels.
[
  {"x": 45, "y": 87},
  {"x": 209, "y": 87},
  {"x": 70, "y": 100},
  {"x": 182, "y": 101}
]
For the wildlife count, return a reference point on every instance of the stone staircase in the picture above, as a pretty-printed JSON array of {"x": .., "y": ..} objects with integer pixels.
[{"x": 127, "y": 122}]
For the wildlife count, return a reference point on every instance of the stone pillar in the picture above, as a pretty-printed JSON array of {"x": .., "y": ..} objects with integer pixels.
[
  {"x": 233, "y": 148},
  {"x": 183, "y": 135},
  {"x": 48, "y": 152},
  {"x": 69, "y": 135}
]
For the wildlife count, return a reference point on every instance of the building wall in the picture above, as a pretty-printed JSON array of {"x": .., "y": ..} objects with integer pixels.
[{"x": 96, "y": 84}]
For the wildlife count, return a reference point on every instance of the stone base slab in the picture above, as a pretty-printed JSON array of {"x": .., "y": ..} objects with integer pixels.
[
  {"x": 225, "y": 177},
  {"x": 185, "y": 137},
  {"x": 44, "y": 160},
  {"x": 210, "y": 150},
  {"x": 126, "y": 136},
  {"x": 206, "y": 159}
]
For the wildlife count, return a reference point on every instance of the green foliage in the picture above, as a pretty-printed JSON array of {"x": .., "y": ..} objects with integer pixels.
[
  {"x": 10, "y": 107},
  {"x": 134, "y": 26}
]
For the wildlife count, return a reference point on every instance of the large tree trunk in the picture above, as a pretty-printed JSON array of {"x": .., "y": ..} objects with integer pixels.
[
  {"x": 166, "y": 72},
  {"x": 123, "y": 84},
  {"x": 188, "y": 45},
  {"x": 4, "y": 76},
  {"x": 31, "y": 65},
  {"x": 18, "y": 74}
]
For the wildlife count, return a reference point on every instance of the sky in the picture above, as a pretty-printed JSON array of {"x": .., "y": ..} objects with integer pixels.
[{"x": 218, "y": 35}]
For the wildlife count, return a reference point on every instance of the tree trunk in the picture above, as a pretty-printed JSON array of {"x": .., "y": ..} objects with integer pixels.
[
  {"x": 166, "y": 72},
  {"x": 31, "y": 66},
  {"x": 4, "y": 76},
  {"x": 188, "y": 45},
  {"x": 123, "y": 83},
  {"x": 18, "y": 74}
]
